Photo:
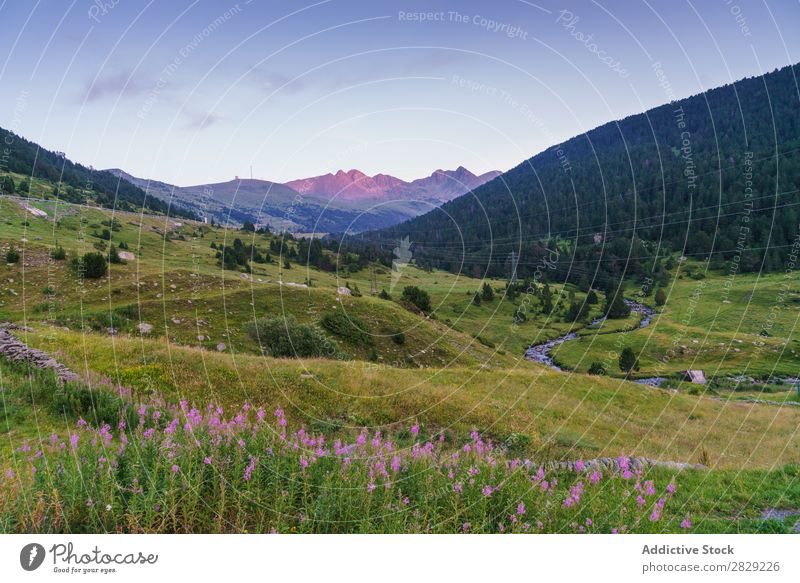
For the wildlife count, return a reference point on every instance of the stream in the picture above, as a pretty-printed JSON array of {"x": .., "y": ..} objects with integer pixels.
[{"x": 541, "y": 352}]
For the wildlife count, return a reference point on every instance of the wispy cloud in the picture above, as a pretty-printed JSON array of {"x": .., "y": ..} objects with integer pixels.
[
  {"x": 198, "y": 121},
  {"x": 121, "y": 84},
  {"x": 269, "y": 81}
]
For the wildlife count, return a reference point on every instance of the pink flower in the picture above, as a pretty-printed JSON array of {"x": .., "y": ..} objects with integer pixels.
[
  {"x": 686, "y": 523},
  {"x": 595, "y": 477},
  {"x": 465, "y": 527},
  {"x": 649, "y": 488},
  {"x": 487, "y": 491},
  {"x": 415, "y": 429},
  {"x": 248, "y": 471},
  {"x": 207, "y": 461},
  {"x": 579, "y": 466},
  {"x": 175, "y": 468},
  {"x": 589, "y": 522},
  {"x": 521, "y": 508},
  {"x": 371, "y": 487},
  {"x": 671, "y": 488}
]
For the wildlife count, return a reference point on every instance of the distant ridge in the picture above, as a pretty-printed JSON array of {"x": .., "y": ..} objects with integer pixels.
[{"x": 344, "y": 201}]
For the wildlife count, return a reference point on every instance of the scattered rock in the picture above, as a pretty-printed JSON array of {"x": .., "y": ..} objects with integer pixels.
[
  {"x": 16, "y": 350},
  {"x": 144, "y": 328},
  {"x": 221, "y": 347}
]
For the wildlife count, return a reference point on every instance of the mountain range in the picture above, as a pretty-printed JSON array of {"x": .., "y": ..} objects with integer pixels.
[
  {"x": 714, "y": 176},
  {"x": 341, "y": 202}
]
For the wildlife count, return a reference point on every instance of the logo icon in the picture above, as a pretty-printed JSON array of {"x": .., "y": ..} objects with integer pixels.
[
  {"x": 31, "y": 556},
  {"x": 402, "y": 255}
]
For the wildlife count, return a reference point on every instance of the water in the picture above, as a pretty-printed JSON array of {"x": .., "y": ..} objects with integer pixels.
[{"x": 541, "y": 352}]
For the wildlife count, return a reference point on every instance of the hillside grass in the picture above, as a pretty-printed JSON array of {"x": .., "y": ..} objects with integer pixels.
[{"x": 556, "y": 415}]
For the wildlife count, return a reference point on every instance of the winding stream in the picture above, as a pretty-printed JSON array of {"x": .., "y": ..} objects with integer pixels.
[{"x": 541, "y": 352}]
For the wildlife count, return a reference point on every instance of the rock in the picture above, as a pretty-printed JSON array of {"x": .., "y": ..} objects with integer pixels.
[
  {"x": 144, "y": 328},
  {"x": 221, "y": 347}
]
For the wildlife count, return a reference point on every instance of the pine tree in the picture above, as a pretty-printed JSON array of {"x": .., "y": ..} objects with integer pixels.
[{"x": 627, "y": 361}]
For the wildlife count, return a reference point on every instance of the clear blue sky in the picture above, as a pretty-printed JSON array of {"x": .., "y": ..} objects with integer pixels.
[{"x": 190, "y": 92}]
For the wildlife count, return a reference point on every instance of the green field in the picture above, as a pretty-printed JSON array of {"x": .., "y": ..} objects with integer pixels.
[{"x": 457, "y": 370}]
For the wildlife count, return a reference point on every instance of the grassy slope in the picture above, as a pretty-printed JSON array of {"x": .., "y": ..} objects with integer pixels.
[
  {"x": 565, "y": 416},
  {"x": 185, "y": 295}
]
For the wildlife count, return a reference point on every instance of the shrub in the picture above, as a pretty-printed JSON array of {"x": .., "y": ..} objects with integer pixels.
[
  {"x": 7, "y": 185},
  {"x": 12, "y": 256},
  {"x": 384, "y": 295},
  {"x": 628, "y": 361},
  {"x": 113, "y": 255},
  {"x": 597, "y": 368},
  {"x": 348, "y": 328},
  {"x": 661, "y": 297},
  {"x": 487, "y": 294},
  {"x": 399, "y": 338},
  {"x": 616, "y": 308},
  {"x": 285, "y": 337},
  {"x": 58, "y": 254},
  {"x": 92, "y": 265},
  {"x": 485, "y": 341},
  {"x": 418, "y": 297},
  {"x": 476, "y": 299},
  {"x": 591, "y": 298}
]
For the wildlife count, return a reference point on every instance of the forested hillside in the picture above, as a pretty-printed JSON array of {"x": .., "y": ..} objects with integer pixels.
[
  {"x": 73, "y": 182},
  {"x": 714, "y": 176}
]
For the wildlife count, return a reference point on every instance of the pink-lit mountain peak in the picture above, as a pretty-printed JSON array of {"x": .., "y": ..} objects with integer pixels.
[{"x": 440, "y": 186}]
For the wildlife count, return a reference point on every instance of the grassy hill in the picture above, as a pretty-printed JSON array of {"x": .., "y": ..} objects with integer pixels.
[{"x": 457, "y": 370}]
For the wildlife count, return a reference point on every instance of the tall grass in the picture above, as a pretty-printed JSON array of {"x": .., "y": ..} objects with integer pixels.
[{"x": 177, "y": 468}]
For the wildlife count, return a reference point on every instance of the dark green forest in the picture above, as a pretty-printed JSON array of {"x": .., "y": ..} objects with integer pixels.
[
  {"x": 76, "y": 183},
  {"x": 713, "y": 177}
]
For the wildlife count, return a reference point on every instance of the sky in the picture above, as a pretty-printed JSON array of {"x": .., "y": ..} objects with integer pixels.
[{"x": 192, "y": 92}]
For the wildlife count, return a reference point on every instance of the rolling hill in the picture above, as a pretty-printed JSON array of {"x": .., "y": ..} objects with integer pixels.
[{"x": 73, "y": 182}]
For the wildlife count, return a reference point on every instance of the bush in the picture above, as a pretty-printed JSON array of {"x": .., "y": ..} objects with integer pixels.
[
  {"x": 485, "y": 341},
  {"x": 628, "y": 361},
  {"x": 661, "y": 297},
  {"x": 597, "y": 368},
  {"x": 91, "y": 265},
  {"x": 348, "y": 328},
  {"x": 384, "y": 295},
  {"x": 285, "y": 337},
  {"x": 58, "y": 254},
  {"x": 399, "y": 338},
  {"x": 616, "y": 308},
  {"x": 487, "y": 294},
  {"x": 7, "y": 185},
  {"x": 12, "y": 256},
  {"x": 591, "y": 298},
  {"x": 418, "y": 297}
]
